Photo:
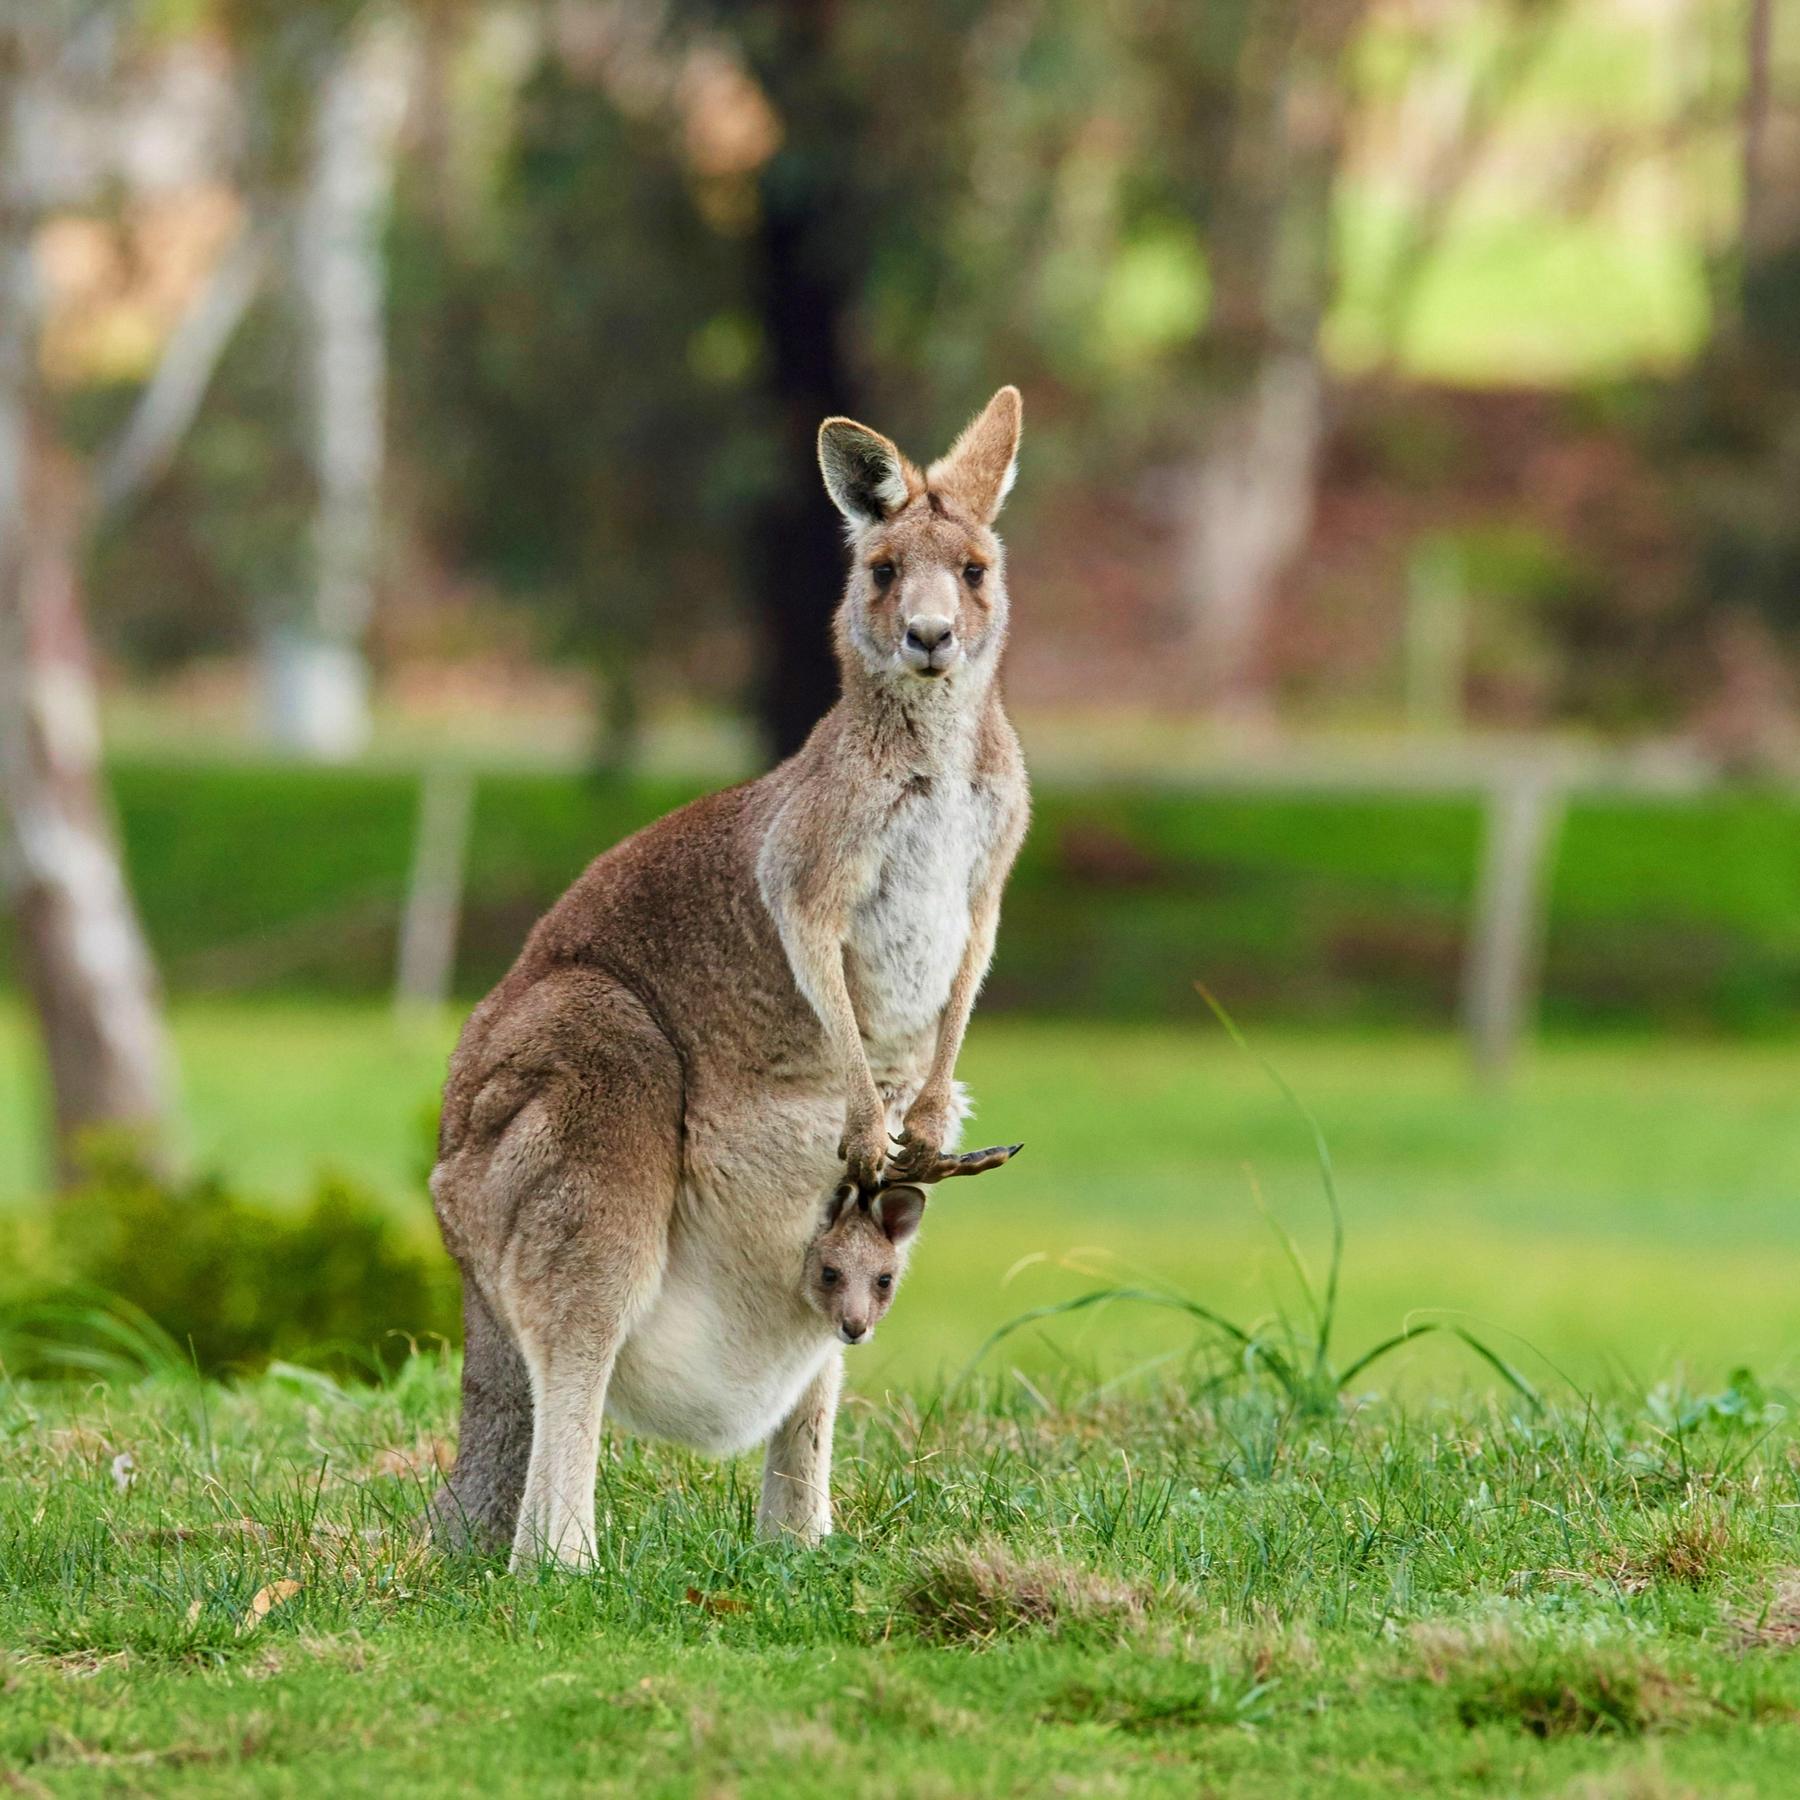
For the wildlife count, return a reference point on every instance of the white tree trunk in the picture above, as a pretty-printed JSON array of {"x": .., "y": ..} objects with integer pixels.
[
  {"x": 80, "y": 948},
  {"x": 1247, "y": 509},
  {"x": 318, "y": 674}
]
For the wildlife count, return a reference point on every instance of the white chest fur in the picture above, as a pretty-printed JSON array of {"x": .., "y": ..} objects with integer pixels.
[
  {"x": 909, "y": 933},
  {"x": 728, "y": 1346}
]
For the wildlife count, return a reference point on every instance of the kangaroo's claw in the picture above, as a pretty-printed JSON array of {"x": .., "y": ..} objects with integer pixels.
[
  {"x": 922, "y": 1170},
  {"x": 914, "y": 1160}
]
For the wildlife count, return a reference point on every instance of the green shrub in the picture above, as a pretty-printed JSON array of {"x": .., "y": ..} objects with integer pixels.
[{"x": 230, "y": 1282}]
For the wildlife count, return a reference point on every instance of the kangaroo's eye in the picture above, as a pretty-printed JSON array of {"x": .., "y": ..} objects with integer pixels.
[
  {"x": 972, "y": 574},
  {"x": 829, "y": 1276},
  {"x": 884, "y": 575},
  {"x": 884, "y": 1282}
]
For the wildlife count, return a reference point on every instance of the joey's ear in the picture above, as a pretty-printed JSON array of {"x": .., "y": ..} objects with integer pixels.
[
  {"x": 981, "y": 464},
  {"x": 865, "y": 474},
  {"x": 837, "y": 1200},
  {"x": 898, "y": 1211}
]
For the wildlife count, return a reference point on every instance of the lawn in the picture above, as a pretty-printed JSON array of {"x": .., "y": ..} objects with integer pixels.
[
  {"x": 1034, "y": 1591},
  {"x": 1112, "y": 1559},
  {"x": 1627, "y": 1211},
  {"x": 1307, "y": 908}
]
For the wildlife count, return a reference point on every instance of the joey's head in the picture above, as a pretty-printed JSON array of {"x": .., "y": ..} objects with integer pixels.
[
  {"x": 926, "y": 597},
  {"x": 857, "y": 1256}
]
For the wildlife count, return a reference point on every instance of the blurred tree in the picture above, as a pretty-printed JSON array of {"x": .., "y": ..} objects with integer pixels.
[
  {"x": 340, "y": 282},
  {"x": 1251, "y": 106},
  {"x": 574, "y": 349},
  {"x": 82, "y": 950},
  {"x": 324, "y": 88},
  {"x": 1738, "y": 424},
  {"x": 811, "y": 253},
  {"x": 273, "y": 528},
  {"x": 856, "y": 216}
]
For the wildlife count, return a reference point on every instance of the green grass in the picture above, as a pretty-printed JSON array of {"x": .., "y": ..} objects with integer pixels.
[
  {"x": 1175, "y": 1591},
  {"x": 1109, "y": 1560},
  {"x": 1628, "y": 1208},
  {"x": 1304, "y": 908}
]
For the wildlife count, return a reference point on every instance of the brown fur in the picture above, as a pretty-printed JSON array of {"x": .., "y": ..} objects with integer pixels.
[{"x": 691, "y": 1046}]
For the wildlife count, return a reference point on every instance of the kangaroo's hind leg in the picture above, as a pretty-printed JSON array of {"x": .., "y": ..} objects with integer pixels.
[{"x": 570, "y": 1232}]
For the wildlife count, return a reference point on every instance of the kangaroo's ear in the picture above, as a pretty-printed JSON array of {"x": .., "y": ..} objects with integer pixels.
[
  {"x": 982, "y": 463},
  {"x": 865, "y": 474},
  {"x": 837, "y": 1200},
  {"x": 898, "y": 1211}
]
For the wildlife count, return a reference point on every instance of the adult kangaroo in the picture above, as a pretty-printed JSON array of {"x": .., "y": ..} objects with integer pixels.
[{"x": 721, "y": 1023}]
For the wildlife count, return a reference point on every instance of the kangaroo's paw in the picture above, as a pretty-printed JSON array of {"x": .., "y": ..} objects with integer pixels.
[{"x": 925, "y": 1168}]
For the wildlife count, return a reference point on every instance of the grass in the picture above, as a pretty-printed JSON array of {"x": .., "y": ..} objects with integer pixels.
[
  {"x": 1036, "y": 1590},
  {"x": 1111, "y": 1558},
  {"x": 1627, "y": 1210},
  {"x": 1339, "y": 908}
]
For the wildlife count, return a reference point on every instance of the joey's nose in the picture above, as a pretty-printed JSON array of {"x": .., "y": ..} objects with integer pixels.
[
  {"x": 854, "y": 1330},
  {"x": 927, "y": 632}
]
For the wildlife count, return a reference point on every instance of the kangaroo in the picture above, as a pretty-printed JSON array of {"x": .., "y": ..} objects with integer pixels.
[
  {"x": 856, "y": 1259},
  {"x": 747, "y": 1004}
]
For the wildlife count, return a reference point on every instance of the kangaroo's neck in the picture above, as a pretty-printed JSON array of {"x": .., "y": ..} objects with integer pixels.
[{"x": 910, "y": 727}]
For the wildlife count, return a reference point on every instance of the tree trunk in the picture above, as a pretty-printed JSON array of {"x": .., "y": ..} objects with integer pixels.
[
  {"x": 317, "y": 671},
  {"x": 80, "y": 947},
  {"x": 1261, "y": 189},
  {"x": 1247, "y": 513},
  {"x": 805, "y": 294}
]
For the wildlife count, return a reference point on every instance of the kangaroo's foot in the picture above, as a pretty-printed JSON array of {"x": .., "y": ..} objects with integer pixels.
[{"x": 923, "y": 1163}]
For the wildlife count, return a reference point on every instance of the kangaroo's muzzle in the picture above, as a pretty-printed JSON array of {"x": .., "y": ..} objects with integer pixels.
[{"x": 930, "y": 646}]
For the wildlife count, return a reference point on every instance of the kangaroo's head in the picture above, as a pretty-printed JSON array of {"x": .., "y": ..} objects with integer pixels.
[
  {"x": 926, "y": 598},
  {"x": 856, "y": 1258}
]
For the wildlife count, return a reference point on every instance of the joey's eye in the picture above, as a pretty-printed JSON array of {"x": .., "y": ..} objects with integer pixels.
[
  {"x": 884, "y": 1282},
  {"x": 884, "y": 575},
  {"x": 972, "y": 574},
  {"x": 829, "y": 1276}
]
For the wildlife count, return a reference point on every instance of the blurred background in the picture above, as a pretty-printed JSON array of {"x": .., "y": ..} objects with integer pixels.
[{"x": 406, "y": 477}]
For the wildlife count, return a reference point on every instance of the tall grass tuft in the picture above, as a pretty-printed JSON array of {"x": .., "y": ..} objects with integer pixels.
[{"x": 1298, "y": 1356}]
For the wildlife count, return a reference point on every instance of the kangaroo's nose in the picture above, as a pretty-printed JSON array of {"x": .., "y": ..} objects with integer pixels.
[
  {"x": 854, "y": 1330},
  {"x": 927, "y": 632}
]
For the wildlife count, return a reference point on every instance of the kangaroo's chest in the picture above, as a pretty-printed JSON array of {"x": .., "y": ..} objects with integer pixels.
[{"x": 909, "y": 933}]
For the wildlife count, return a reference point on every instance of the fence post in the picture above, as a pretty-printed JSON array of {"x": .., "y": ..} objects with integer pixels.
[
  {"x": 1502, "y": 966},
  {"x": 426, "y": 964},
  {"x": 1437, "y": 631}
]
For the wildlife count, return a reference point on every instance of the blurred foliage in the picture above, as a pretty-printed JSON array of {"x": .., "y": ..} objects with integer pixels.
[
  {"x": 231, "y": 1280},
  {"x": 595, "y": 447},
  {"x": 635, "y": 253},
  {"x": 221, "y": 550}
]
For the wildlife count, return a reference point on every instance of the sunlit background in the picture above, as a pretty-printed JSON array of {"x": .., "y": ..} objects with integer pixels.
[{"x": 407, "y": 489}]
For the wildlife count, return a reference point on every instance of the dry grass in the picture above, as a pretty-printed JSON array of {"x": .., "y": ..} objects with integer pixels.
[
  {"x": 1689, "y": 1545},
  {"x": 1775, "y": 1625},
  {"x": 973, "y": 1595},
  {"x": 1646, "y": 1780}
]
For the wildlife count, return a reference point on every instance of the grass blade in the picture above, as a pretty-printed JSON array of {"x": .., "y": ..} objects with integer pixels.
[
  {"x": 1321, "y": 1153},
  {"x": 1252, "y": 1346}
]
